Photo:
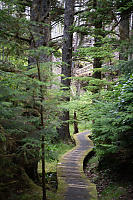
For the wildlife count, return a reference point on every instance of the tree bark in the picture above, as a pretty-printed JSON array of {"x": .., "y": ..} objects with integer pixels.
[
  {"x": 40, "y": 28},
  {"x": 130, "y": 56},
  {"x": 76, "y": 130},
  {"x": 98, "y": 25},
  {"x": 64, "y": 132},
  {"x": 75, "y": 123},
  {"x": 124, "y": 35}
]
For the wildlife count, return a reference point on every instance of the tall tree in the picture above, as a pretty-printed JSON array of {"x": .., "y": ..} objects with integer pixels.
[
  {"x": 40, "y": 38},
  {"x": 40, "y": 28},
  {"x": 97, "y": 43},
  {"x": 125, "y": 11},
  {"x": 64, "y": 132}
]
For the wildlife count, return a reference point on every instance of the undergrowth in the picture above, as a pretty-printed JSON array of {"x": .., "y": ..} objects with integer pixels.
[
  {"x": 111, "y": 184},
  {"x": 53, "y": 155}
]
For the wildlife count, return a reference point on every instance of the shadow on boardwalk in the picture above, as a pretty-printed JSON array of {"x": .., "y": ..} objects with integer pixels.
[{"x": 72, "y": 182}]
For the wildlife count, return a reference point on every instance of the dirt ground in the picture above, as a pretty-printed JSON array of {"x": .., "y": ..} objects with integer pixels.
[{"x": 104, "y": 179}]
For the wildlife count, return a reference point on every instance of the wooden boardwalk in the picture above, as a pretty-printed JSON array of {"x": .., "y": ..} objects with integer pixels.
[{"x": 72, "y": 182}]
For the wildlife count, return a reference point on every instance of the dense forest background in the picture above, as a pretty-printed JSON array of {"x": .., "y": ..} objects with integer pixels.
[{"x": 45, "y": 94}]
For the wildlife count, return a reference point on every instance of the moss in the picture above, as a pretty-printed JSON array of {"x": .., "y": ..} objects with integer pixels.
[
  {"x": 91, "y": 186},
  {"x": 62, "y": 184},
  {"x": 15, "y": 184}
]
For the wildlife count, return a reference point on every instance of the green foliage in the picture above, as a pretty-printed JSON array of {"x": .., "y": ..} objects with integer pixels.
[
  {"x": 125, "y": 67},
  {"x": 53, "y": 154},
  {"x": 105, "y": 51},
  {"x": 116, "y": 194},
  {"x": 111, "y": 113},
  {"x": 93, "y": 162},
  {"x": 112, "y": 117},
  {"x": 21, "y": 100}
]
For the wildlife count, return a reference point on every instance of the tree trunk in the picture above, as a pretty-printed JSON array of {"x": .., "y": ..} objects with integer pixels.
[
  {"x": 43, "y": 169},
  {"x": 64, "y": 133},
  {"x": 40, "y": 32},
  {"x": 75, "y": 123},
  {"x": 31, "y": 170},
  {"x": 42, "y": 138},
  {"x": 98, "y": 26},
  {"x": 124, "y": 36},
  {"x": 76, "y": 130},
  {"x": 40, "y": 28},
  {"x": 41, "y": 37},
  {"x": 130, "y": 56}
]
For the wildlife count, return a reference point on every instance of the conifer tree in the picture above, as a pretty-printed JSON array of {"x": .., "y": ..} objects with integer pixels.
[
  {"x": 67, "y": 64},
  {"x": 41, "y": 36}
]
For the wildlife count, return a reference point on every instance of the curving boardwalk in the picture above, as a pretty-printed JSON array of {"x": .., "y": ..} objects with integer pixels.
[{"x": 73, "y": 184}]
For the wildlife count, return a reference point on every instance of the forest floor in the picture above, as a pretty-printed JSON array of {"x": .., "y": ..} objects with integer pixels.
[{"x": 111, "y": 184}]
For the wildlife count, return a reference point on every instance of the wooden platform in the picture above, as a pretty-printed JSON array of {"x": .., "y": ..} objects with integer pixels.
[{"x": 72, "y": 182}]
